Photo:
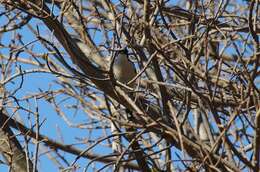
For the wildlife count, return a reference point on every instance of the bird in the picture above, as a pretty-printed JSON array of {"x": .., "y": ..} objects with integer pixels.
[
  {"x": 123, "y": 69},
  {"x": 200, "y": 128}
]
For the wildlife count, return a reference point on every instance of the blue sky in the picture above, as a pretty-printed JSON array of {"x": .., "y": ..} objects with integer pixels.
[{"x": 53, "y": 124}]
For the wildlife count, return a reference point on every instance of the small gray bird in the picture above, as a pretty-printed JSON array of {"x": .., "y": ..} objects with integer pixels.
[
  {"x": 200, "y": 128},
  {"x": 124, "y": 71},
  {"x": 123, "y": 68}
]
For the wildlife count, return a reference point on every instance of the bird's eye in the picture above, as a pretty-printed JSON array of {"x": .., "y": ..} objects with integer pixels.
[{"x": 125, "y": 51}]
